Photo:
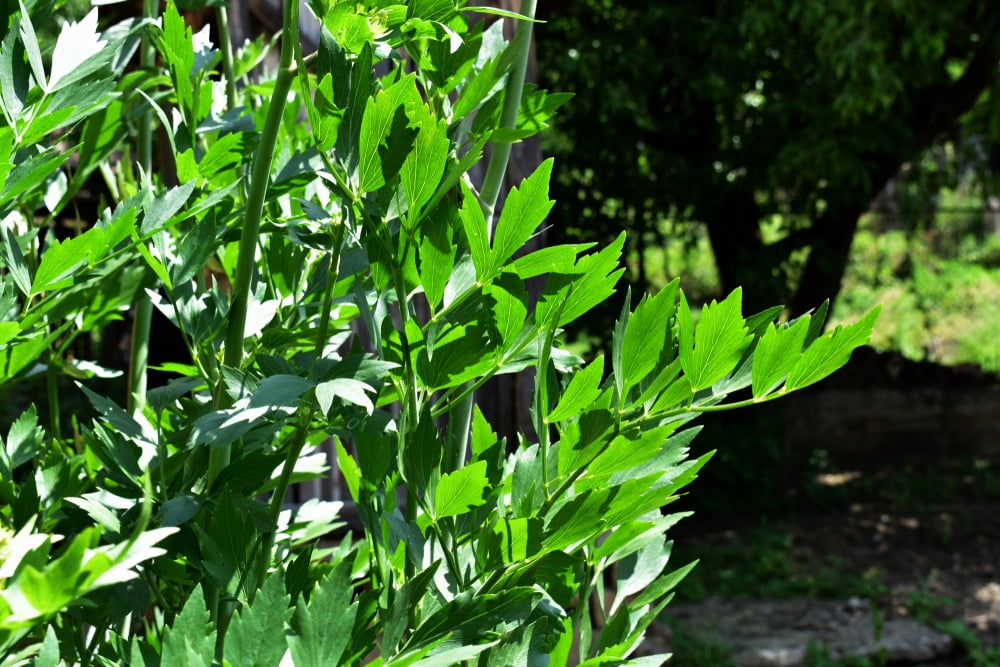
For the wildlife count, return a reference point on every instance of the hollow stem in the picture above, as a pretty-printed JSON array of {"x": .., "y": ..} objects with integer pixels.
[
  {"x": 139, "y": 348},
  {"x": 226, "y": 47},
  {"x": 459, "y": 424},
  {"x": 259, "y": 179}
]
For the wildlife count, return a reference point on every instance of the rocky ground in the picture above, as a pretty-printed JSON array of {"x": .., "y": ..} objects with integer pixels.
[{"x": 920, "y": 586}]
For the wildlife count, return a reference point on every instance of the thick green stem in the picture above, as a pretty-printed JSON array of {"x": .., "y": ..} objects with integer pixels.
[
  {"x": 497, "y": 168},
  {"x": 461, "y": 418},
  {"x": 139, "y": 352},
  {"x": 226, "y": 47},
  {"x": 259, "y": 179}
]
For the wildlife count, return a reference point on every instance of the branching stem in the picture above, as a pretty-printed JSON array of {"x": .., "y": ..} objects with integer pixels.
[
  {"x": 139, "y": 349},
  {"x": 259, "y": 180},
  {"x": 461, "y": 418}
]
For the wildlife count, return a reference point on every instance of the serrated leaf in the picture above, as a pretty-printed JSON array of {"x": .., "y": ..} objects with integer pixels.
[
  {"x": 48, "y": 654},
  {"x": 460, "y": 491},
  {"x": 592, "y": 281},
  {"x": 77, "y": 42},
  {"x": 437, "y": 254},
  {"x": 14, "y": 260},
  {"x": 424, "y": 165},
  {"x": 321, "y": 629},
  {"x": 421, "y": 456},
  {"x": 474, "y": 224},
  {"x": 157, "y": 211},
  {"x": 511, "y": 307},
  {"x": 225, "y": 153},
  {"x": 717, "y": 344},
  {"x": 346, "y": 389},
  {"x": 831, "y": 351},
  {"x": 407, "y": 598},
  {"x": 646, "y": 335},
  {"x": 640, "y": 569},
  {"x": 480, "y": 87},
  {"x": 381, "y": 113},
  {"x": 31, "y": 173},
  {"x": 256, "y": 636},
  {"x": 523, "y": 211},
  {"x": 25, "y": 438},
  {"x": 61, "y": 259},
  {"x": 280, "y": 390},
  {"x": 582, "y": 390},
  {"x": 188, "y": 642},
  {"x": 776, "y": 353},
  {"x": 30, "y": 41}
]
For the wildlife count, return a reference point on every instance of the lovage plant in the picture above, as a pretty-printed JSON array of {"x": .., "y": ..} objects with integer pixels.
[{"x": 334, "y": 272}]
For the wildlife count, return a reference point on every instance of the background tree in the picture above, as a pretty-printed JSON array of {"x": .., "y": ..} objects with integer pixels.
[{"x": 773, "y": 123}]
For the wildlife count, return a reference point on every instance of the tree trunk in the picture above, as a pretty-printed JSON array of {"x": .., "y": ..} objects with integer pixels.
[{"x": 824, "y": 271}]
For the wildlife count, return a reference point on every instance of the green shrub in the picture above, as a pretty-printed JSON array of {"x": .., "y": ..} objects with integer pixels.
[{"x": 157, "y": 533}]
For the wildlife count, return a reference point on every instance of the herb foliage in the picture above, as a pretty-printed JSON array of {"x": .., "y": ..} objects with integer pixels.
[{"x": 317, "y": 241}]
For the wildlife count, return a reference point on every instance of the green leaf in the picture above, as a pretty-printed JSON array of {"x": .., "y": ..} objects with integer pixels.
[
  {"x": 13, "y": 76},
  {"x": 256, "y": 637},
  {"x": 350, "y": 29},
  {"x": 188, "y": 642},
  {"x": 554, "y": 259},
  {"x": 718, "y": 343},
  {"x": 322, "y": 628},
  {"x": 640, "y": 569},
  {"x": 430, "y": 10},
  {"x": 407, "y": 598},
  {"x": 592, "y": 281},
  {"x": 525, "y": 208},
  {"x": 511, "y": 310},
  {"x": 30, "y": 173},
  {"x": 437, "y": 254},
  {"x": 424, "y": 165},
  {"x": 48, "y": 654},
  {"x": 647, "y": 335},
  {"x": 157, "y": 211},
  {"x": 776, "y": 353},
  {"x": 224, "y": 154},
  {"x": 61, "y": 259},
  {"x": 77, "y": 43},
  {"x": 25, "y": 438},
  {"x": 30, "y": 42},
  {"x": 470, "y": 619},
  {"x": 280, "y": 391},
  {"x": 178, "y": 45},
  {"x": 481, "y": 86},
  {"x": 348, "y": 390},
  {"x": 9, "y": 331},
  {"x": 419, "y": 460},
  {"x": 831, "y": 351},
  {"x": 381, "y": 114},
  {"x": 617, "y": 338},
  {"x": 581, "y": 392},
  {"x": 500, "y": 12},
  {"x": 15, "y": 262},
  {"x": 664, "y": 584},
  {"x": 460, "y": 491},
  {"x": 474, "y": 224},
  {"x": 349, "y": 469}
]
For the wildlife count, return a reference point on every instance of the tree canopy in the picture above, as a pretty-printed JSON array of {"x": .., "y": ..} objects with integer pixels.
[{"x": 773, "y": 123}]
